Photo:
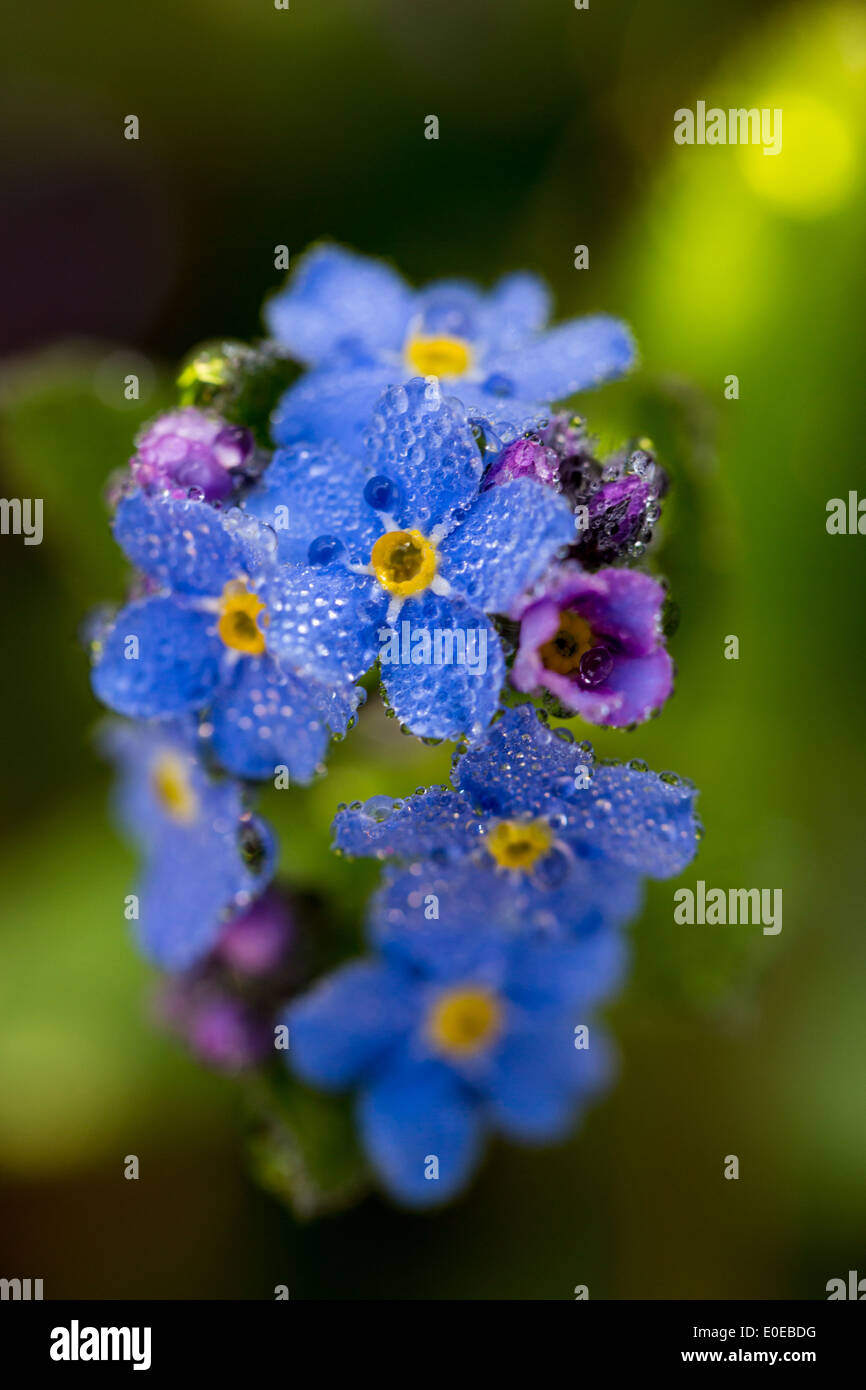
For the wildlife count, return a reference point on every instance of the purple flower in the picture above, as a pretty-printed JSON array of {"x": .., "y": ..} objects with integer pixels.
[
  {"x": 617, "y": 503},
  {"x": 595, "y": 642},
  {"x": 257, "y": 941},
  {"x": 222, "y": 1031},
  {"x": 618, "y": 510},
  {"x": 188, "y": 450},
  {"x": 525, "y": 458}
]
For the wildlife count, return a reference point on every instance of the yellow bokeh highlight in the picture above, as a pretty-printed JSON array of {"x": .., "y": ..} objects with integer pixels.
[{"x": 815, "y": 171}]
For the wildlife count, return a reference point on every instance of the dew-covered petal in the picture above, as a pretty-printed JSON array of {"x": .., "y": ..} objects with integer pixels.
[
  {"x": 411, "y": 1113},
  {"x": 636, "y": 687},
  {"x": 421, "y": 439},
  {"x": 264, "y": 720},
  {"x": 177, "y": 666},
  {"x": 310, "y": 493},
  {"x": 570, "y": 357},
  {"x": 323, "y": 622},
  {"x": 189, "y": 547},
  {"x": 520, "y": 766},
  {"x": 348, "y": 1021},
  {"x": 436, "y": 821},
  {"x": 539, "y": 624},
  {"x": 197, "y": 876},
  {"x": 621, "y": 604},
  {"x": 538, "y": 1080},
  {"x": 493, "y": 407},
  {"x": 643, "y": 684},
  {"x": 623, "y": 611},
  {"x": 337, "y": 302},
  {"x": 332, "y": 405},
  {"x": 643, "y": 820},
  {"x": 505, "y": 542},
  {"x": 438, "y": 700}
]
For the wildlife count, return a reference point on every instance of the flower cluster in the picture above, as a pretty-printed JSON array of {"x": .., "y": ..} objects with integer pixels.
[{"x": 409, "y": 505}]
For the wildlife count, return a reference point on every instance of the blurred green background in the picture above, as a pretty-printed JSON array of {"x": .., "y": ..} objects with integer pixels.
[{"x": 261, "y": 127}]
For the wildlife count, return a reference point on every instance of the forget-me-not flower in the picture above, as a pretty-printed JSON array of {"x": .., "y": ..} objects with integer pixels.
[
  {"x": 595, "y": 641},
  {"x": 534, "y": 838},
  {"x": 440, "y": 1060},
  {"x": 198, "y": 640},
  {"x": 205, "y": 857},
  {"x": 358, "y": 327},
  {"x": 399, "y": 555}
]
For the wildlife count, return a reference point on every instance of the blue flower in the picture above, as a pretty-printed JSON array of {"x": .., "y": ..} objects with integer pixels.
[
  {"x": 439, "y": 1060},
  {"x": 359, "y": 328},
  {"x": 534, "y": 840},
  {"x": 198, "y": 640},
  {"x": 400, "y": 556},
  {"x": 205, "y": 856}
]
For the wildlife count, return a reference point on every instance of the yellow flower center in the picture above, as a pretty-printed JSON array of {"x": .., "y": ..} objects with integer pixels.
[
  {"x": 517, "y": 844},
  {"x": 463, "y": 1021},
  {"x": 237, "y": 626},
  {"x": 563, "y": 652},
  {"x": 403, "y": 562},
  {"x": 438, "y": 355},
  {"x": 171, "y": 783}
]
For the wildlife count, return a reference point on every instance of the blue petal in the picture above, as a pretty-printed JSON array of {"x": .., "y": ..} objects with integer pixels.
[
  {"x": 347, "y": 1022},
  {"x": 518, "y": 308},
  {"x": 477, "y": 917},
  {"x": 188, "y": 547},
  {"x": 422, "y": 440},
  {"x": 337, "y": 300},
  {"x": 505, "y": 543},
  {"x": 538, "y": 1079},
  {"x": 449, "y": 308},
  {"x": 334, "y": 404},
  {"x": 638, "y": 818},
  {"x": 515, "y": 310},
  {"x": 446, "y": 701},
  {"x": 571, "y": 357},
  {"x": 498, "y": 411},
  {"x": 435, "y": 821},
  {"x": 265, "y": 719},
  {"x": 414, "y": 1112},
  {"x": 643, "y": 821},
  {"x": 196, "y": 877},
  {"x": 322, "y": 493},
  {"x": 178, "y": 663},
  {"x": 135, "y": 749},
  {"x": 583, "y": 892},
  {"x": 521, "y": 766},
  {"x": 324, "y": 622},
  {"x": 557, "y": 945},
  {"x": 579, "y": 970}
]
